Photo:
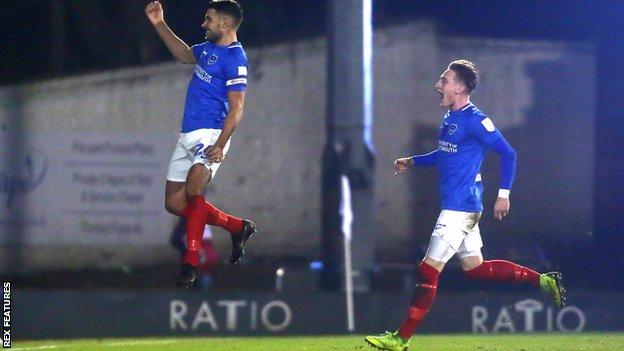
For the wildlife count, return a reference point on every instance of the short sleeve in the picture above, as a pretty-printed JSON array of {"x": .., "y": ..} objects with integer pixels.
[
  {"x": 197, "y": 50},
  {"x": 236, "y": 70},
  {"x": 482, "y": 128}
]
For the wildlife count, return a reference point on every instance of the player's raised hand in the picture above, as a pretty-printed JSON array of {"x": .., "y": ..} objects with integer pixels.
[
  {"x": 154, "y": 12},
  {"x": 214, "y": 153},
  {"x": 501, "y": 208},
  {"x": 402, "y": 165}
]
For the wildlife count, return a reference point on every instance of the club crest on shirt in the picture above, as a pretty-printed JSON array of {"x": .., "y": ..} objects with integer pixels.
[
  {"x": 213, "y": 59},
  {"x": 452, "y": 128}
]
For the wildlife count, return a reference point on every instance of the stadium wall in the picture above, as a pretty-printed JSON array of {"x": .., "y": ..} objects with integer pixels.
[{"x": 96, "y": 149}]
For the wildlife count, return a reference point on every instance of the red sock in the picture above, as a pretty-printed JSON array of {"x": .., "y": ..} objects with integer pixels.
[
  {"x": 195, "y": 222},
  {"x": 423, "y": 298},
  {"x": 219, "y": 218},
  {"x": 198, "y": 213},
  {"x": 504, "y": 271},
  {"x": 213, "y": 215}
]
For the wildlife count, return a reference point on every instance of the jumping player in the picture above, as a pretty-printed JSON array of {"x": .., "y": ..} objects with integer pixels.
[
  {"x": 214, "y": 106},
  {"x": 465, "y": 135}
]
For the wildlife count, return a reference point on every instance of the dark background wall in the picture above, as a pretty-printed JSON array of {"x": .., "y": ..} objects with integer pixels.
[{"x": 44, "y": 39}]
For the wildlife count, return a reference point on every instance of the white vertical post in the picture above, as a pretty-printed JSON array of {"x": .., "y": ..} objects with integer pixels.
[
  {"x": 346, "y": 213},
  {"x": 367, "y": 71}
]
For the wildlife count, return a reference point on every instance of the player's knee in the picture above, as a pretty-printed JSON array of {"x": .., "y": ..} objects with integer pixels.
[
  {"x": 194, "y": 191},
  {"x": 173, "y": 207},
  {"x": 470, "y": 260},
  {"x": 437, "y": 265},
  {"x": 199, "y": 174}
]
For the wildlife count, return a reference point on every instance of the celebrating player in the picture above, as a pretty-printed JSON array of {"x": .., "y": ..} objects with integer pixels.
[
  {"x": 214, "y": 106},
  {"x": 465, "y": 135}
]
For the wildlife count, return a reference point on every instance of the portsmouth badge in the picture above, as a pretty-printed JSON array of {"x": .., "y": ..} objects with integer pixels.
[
  {"x": 452, "y": 129},
  {"x": 213, "y": 59}
]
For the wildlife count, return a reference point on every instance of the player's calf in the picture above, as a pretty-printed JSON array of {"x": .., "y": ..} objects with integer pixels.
[
  {"x": 422, "y": 300},
  {"x": 504, "y": 272}
]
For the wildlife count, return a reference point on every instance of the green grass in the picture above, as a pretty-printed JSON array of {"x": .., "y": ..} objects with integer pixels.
[{"x": 507, "y": 342}]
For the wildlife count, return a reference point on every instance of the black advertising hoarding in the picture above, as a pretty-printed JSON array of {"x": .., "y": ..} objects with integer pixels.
[{"x": 39, "y": 314}]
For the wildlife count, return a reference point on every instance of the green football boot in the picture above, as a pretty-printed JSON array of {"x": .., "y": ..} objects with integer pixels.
[
  {"x": 388, "y": 341},
  {"x": 551, "y": 285}
]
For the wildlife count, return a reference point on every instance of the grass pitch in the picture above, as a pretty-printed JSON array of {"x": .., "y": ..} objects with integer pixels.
[{"x": 507, "y": 342}]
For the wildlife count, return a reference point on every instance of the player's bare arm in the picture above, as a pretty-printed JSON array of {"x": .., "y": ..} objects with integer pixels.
[
  {"x": 402, "y": 165},
  {"x": 176, "y": 46},
  {"x": 236, "y": 102}
]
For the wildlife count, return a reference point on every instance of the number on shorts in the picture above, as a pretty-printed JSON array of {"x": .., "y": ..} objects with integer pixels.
[{"x": 199, "y": 150}]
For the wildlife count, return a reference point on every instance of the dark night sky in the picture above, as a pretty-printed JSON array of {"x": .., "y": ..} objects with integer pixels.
[{"x": 104, "y": 34}]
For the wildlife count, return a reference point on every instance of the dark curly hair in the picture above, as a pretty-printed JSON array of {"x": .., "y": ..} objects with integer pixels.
[{"x": 230, "y": 8}]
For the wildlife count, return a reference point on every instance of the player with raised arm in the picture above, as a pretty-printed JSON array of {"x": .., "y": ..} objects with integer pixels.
[
  {"x": 465, "y": 135},
  {"x": 214, "y": 106}
]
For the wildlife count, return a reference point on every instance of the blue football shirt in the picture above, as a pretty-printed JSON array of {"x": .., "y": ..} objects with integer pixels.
[
  {"x": 464, "y": 137},
  {"x": 219, "y": 69}
]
